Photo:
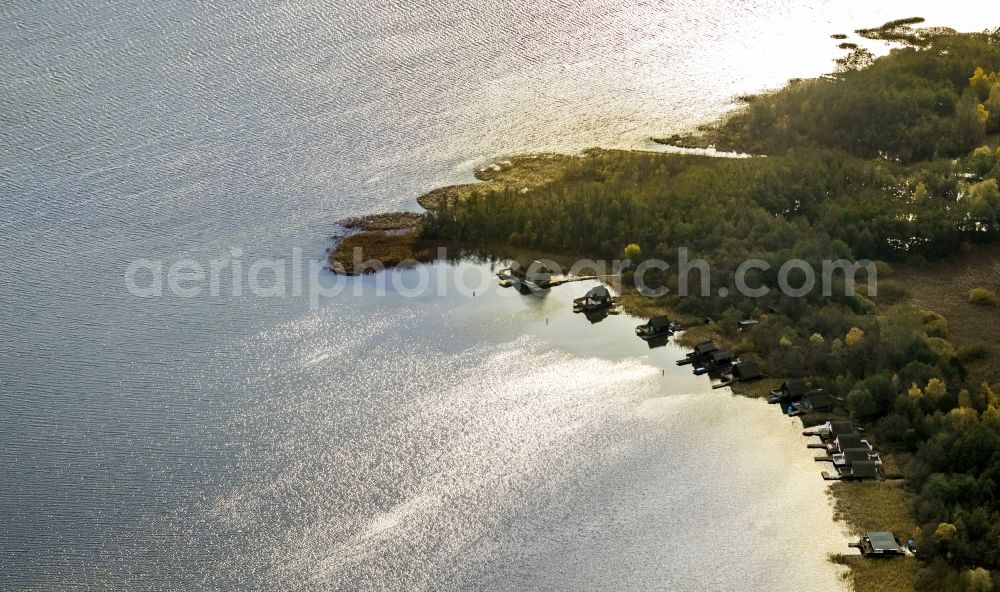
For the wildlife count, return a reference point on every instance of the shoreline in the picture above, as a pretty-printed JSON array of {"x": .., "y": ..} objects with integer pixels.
[
  {"x": 827, "y": 188},
  {"x": 400, "y": 231}
]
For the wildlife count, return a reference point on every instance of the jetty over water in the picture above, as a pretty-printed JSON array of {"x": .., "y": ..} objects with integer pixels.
[{"x": 536, "y": 275}]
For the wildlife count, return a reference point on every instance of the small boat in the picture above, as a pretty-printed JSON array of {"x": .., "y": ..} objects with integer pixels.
[
  {"x": 595, "y": 299},
  {"x": 656, "y": 327}
]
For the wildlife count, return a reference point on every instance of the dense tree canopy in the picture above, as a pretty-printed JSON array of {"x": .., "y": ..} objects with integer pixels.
[{"x": 917, "y": 104}]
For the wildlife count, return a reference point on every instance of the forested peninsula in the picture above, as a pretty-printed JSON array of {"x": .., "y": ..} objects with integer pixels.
[{"x": 893, "y": 159}]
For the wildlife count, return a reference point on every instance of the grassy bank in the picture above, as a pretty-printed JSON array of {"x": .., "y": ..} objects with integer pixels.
[
  {"x": 387, "y": 222},
  {"x": 944, "y": 286},
  {"x": 874, "y": 506},
  {"x": 879, "y": 575},
  {"x": 379, "y": 241},
  {"x": 368, "y": 252}
]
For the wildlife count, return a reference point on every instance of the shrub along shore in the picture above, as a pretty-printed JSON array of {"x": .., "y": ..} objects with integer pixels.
[{"x": 892, "y": 159}]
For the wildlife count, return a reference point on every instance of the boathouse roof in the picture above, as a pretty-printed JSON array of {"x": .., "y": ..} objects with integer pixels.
[
  {"x": 795, "y": 387},
  {"x": 705, "y": 348},
  {"x": 841, "y": 427},
  {"x": 659, "y": 323},
  {"x": 721, "y": 356},
  {"x": 864, "y": 469},
  {"x": 817, "y": 399},
  {"x": 848, "y": 441},
  {"x": 883, "y": 541},
  {"x": 747, "y": 370},
  {"x": 599, "y": 293},
  {"x": 521, "y": 265}
]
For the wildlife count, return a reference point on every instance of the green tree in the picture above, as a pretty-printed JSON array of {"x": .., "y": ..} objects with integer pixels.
[
  {"x": 992, "y": 105},
  {"x": 970, "y": 122},
  {"x": 861, "y": 403},
  {"x": 983, "y": 159},
  {"x": 920, "y": 193}
]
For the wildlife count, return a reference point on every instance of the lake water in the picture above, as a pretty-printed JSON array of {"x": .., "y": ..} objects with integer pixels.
[{"x": 235, "y": 442}]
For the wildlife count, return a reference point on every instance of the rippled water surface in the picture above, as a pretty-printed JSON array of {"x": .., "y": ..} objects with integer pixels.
[{"x": 233, "y": 442}]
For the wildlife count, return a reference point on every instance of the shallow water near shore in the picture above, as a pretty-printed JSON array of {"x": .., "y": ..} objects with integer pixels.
[
  {"x": 236, "y": 442},
  {"x": 424, "y": 442},
  {"x": 547, "y": 452}
]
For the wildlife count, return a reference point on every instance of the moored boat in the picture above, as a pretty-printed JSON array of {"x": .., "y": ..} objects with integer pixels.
[{"x": 656, "y": 328}]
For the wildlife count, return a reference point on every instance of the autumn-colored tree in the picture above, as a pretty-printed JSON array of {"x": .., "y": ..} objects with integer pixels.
[
  {"x": 945, "y": 532},
  {"x": 985, "y": 193},
  {"x": 935, "y": 388},
  {"x": 981, "y": 82},
  {"x": 990, "y": 397},
  {"x": 854, "y": 336},
  {"x": 633, "y": 252}
]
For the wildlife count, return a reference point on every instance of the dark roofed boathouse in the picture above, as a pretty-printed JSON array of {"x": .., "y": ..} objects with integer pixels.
[
  {"x": 813, "y": 401},
  {"x": 879, "y": 544},
  {"x": 704, "y": 349},
  {"x": 533, "y": 271},
  {"x": 862, "y": 469},
  {"x": 846, "y": 442},
  {"x": 794, "y": 388},
  {"x": 748, "y": 370}
]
